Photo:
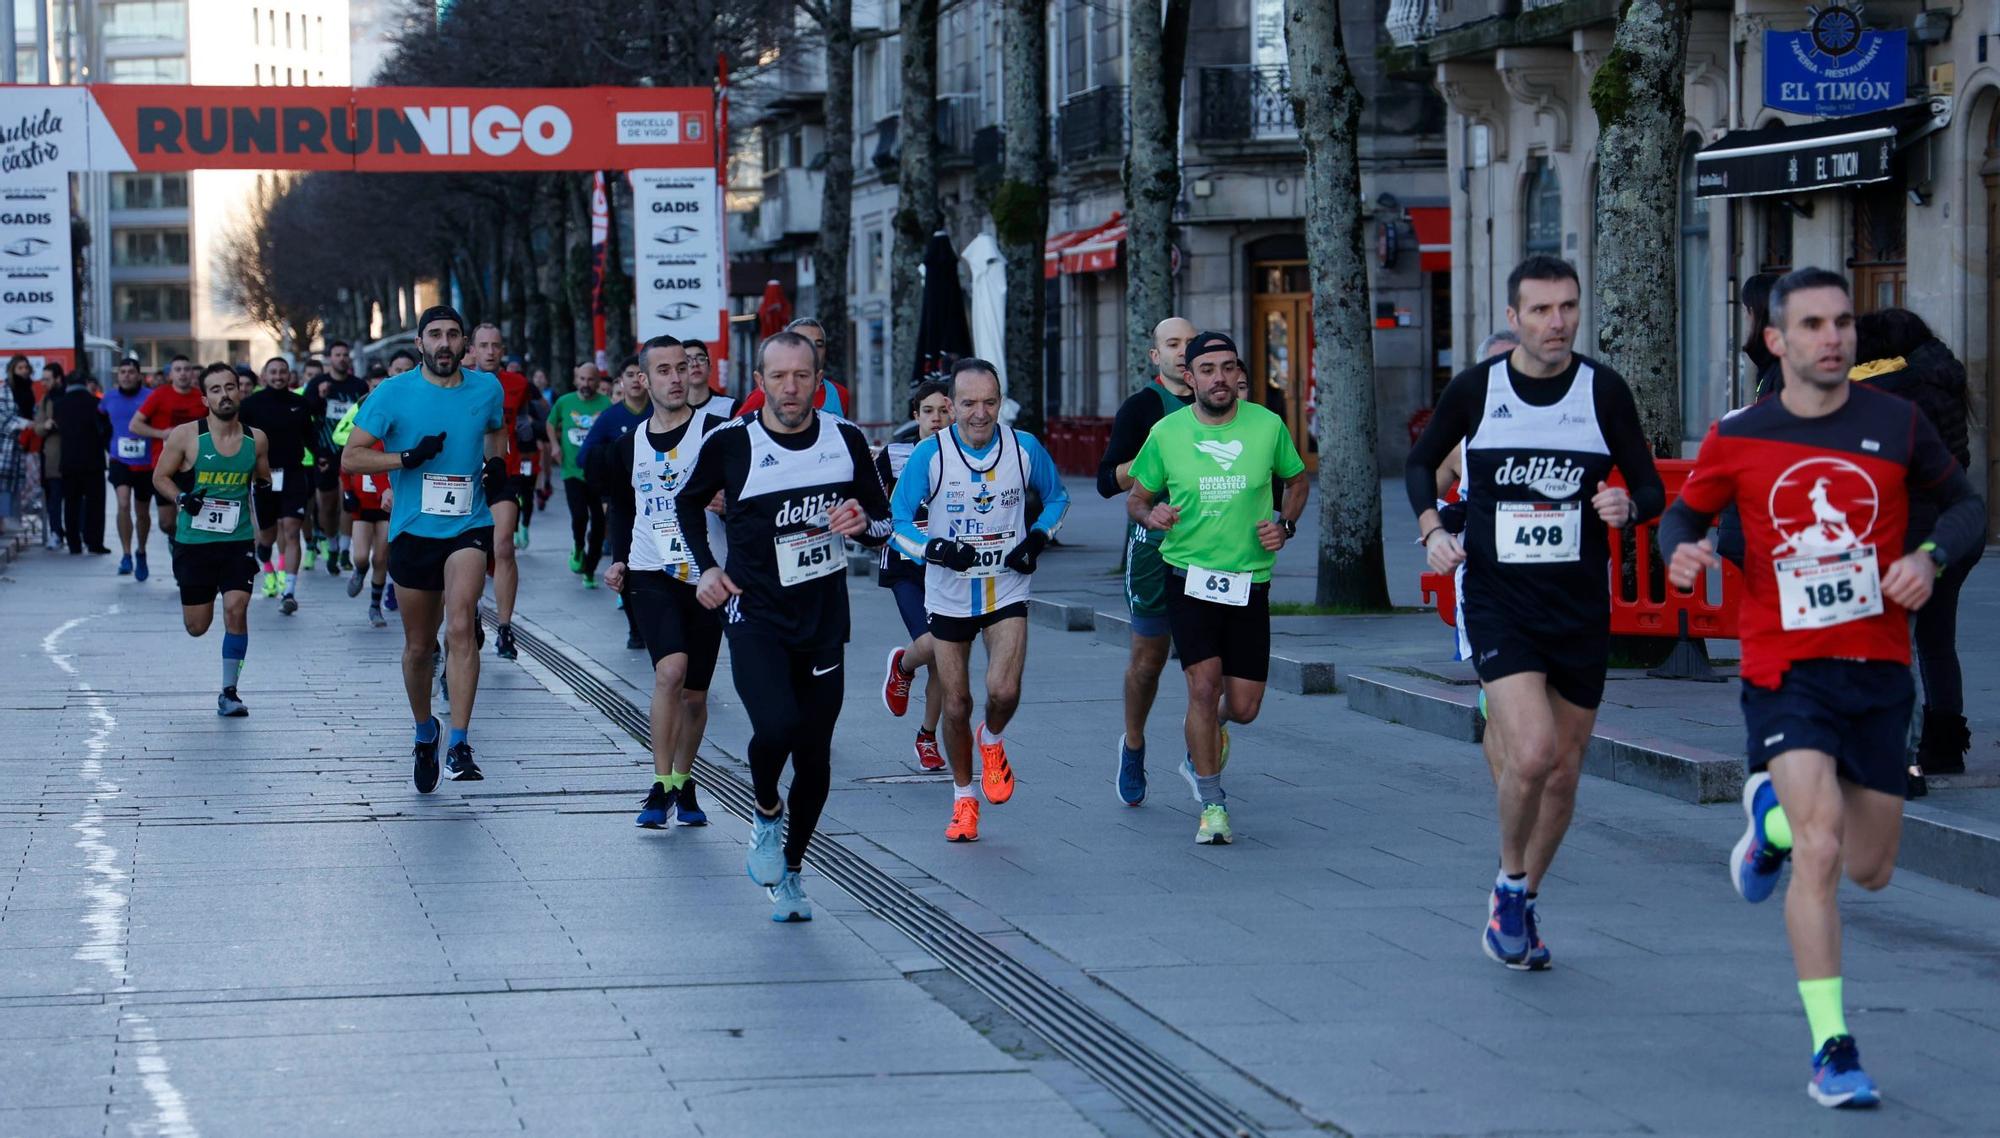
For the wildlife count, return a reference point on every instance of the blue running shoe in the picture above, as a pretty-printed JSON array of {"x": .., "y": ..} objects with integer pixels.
[
  {"x": 1505, "y": 938},
  {"x": 1755, "y": 864},
  {"x": 690, "y": 811},
  {"x": 766, "y": 860},
  {"x": 1838, "y": 1079},
  {"x": 1131, "y": 774},
  {"x": 389, "y": 598},
  {"x": 139, "y": 570},
  {"x": 1538, "y": 953},
  {"x": 659, "y": 800},
  {"x": 788, "y": 900},
  {"x": 1194, "y": 785},
  {"x": 125, "y": 565}
]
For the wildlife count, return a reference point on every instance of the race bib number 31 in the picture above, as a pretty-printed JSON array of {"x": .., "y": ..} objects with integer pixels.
[
  {"x": 1822, "y": 590},
  {"x": 808, "y": 555},
  {"x": 447, "y": 495},
  {"x": 1537, "y": 533},
  {"x": 218, "y": 516},
  {"x": 1217, "y": 587}
]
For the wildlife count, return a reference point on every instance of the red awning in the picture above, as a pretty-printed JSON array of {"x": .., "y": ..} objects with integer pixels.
[
  {"x": 1056, "y": 250},
  {"x": 1097, "y": 253},
  {"x": 1433, "y": 227}
]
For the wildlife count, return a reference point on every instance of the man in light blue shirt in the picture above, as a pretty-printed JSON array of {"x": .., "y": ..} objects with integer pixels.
[{"x": 440, "y": 432}]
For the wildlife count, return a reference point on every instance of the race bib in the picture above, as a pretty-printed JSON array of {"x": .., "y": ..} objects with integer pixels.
[
  {"x": 132, "y": 447},
  {"x": 575, "y": 435},
  {"x": 807, "y": 555},
  {"x": 1822, "y": 590},
  {"x": 373, "y": 483},
  {"x": 447, "y": 495},
  {"x": 277, "y": 480},
  {"x": 1537, "y": 533},
  {"x": 527, "y": 467},
  {"x": 992, "y": 549},
  {"x": 218, "y": 515},
  {"x": 673, "y": 550},
  {"x": 1217, "y": 587}
]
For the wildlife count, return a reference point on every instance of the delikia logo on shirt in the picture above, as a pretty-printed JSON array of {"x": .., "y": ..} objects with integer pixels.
[
  {"x": 1224, "y": 454},
  {"x": 1549, "y": 477}
]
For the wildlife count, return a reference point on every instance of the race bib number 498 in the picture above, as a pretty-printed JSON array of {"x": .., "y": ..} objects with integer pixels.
[{"x": 1537, "y": 533}]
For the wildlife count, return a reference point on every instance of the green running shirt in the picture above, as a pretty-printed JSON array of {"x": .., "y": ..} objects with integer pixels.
[{"x": 1220, "y": 478}]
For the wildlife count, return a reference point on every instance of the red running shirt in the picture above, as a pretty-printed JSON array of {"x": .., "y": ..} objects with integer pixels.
[{"x": 167, "y": 408}]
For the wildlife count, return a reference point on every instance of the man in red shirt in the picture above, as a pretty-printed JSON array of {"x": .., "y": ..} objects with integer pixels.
[
  {"x": 488, "y": 349},
  {"x": 1822, "y": 474},
  {"x": 177, "y": 402}
]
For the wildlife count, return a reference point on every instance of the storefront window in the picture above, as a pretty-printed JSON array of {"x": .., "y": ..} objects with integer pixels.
[{"x": 1541, "y": 199}]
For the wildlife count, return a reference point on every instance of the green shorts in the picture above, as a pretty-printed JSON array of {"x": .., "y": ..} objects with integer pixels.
[{"x": 1145, "y": 587}]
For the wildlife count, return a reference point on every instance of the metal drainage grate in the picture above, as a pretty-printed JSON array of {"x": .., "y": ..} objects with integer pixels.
[{"x": 1144, "y": 1081}]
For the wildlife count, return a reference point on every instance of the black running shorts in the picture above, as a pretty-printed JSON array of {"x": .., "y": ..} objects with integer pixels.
[
  {"x": 1574, "y": 663},
  {"x": 966, "y": 629},
  {"x": 207, "y": 569},
  {"x": 1858, "y": 711},
  {"x": 289, "y": 502},
  {"x": 671, "y": 620},
  {"x": 418, "y": 562},
  {"x": 1204, "y": 630}
]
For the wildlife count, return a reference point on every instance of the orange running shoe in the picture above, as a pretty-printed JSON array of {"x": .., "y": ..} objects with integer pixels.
[
  {"x": 964, "y": 821},
  {"x": 996, "y": 778},
  {"x": 928, "y": 755}
]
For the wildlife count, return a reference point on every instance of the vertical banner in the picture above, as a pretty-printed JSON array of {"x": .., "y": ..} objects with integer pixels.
[
  {"x": 677, "y": 253},
  {"x": 600, "y": 229},
  {"x": 37, "y": 293}
]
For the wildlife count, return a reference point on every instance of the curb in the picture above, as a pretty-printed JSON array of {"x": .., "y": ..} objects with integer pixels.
[
  {"x": 1300, "y": 677},
  {"x": 1060, "y": 614},
  {"x": 1950, "y": 847}
]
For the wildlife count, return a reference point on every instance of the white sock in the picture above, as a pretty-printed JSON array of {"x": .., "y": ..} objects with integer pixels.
[
  {"x": 966, "y": 791},
  {"x": 989, "y": 735},
  {"x": 1517, "y": 884}
]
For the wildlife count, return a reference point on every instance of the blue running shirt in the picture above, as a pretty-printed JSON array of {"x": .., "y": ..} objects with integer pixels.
[{"x": 406, "y": 408}]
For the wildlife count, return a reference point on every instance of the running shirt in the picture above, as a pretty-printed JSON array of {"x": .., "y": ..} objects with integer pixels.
[
  {"x": 1535, "y": 450},
  {"x": 514, "y": 392},
  {"x": 445, "y": 496},
  {"x": 1134, "y": 421},
  {"x": 224, "y": 480},
  {"x": 1220, "y": 477},
  {"x": 890, "y": 462},
  {"x": 645, "y": 527},
  {"x": 167, "y": 407},
  {"x": 366, "y": 488},
  {"x": 570, "y": 421},
  {"x": 126, "y": 448},
  {"x": 720, "y": 406},
  {"x": 343, "y": 393},
  {"x": 980, "y": 497},
  {"x": 287, "y": 423},
  {"x": 780, "y": 490},
  {"x": 614, "y": 423},
  {"x": 1824, "y": 504}
]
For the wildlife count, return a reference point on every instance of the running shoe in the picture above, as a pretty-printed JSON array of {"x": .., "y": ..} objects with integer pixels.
[
  {"x": 1838, "y": 1079},
  {"x": 590, "y": 582},
  {"x": 1193, "y": 780},
  {"x": 690, "y": 811},
  {"x": 331, "y": 558},
  {"x": 284, "y": 582},
  {"x": 139, "y": 570},
  {"x": 270, "y": 586},
  {"x": 125, "y": 565},
  {"x": 354, "y": 584},
  {"x": 389, "y": 598},
  {"x": 458, "y": 760},
  {"x": 1222, "y": 749},
  {"x": 659, "y": 800},
  {"x": 289, "y": 605},
  {"x": 765, "y": 863},
  {"x": 228, "y": 706},
  {"x": 427, "y": 760},
  {"x": 576, "y": 560},
  {"x": 964, "y": 821},
  {"x": 633, "y": 643},
  {"x": 375, "y": 617},
  {"x": 346, "y": 561},
  {"x": 503, "y": 644},
  {"x": 1214, "y": 828},
  {"x": 1505, "y": 937},
  {"x": 308, "y": 558},
  {"x": 996, "y": 778},
  {"x": 1755, "y": 864},
  {"x": 521, "y": 538},
  {"x": 896, "y": 686},
  {"x": 1131, "y": 774},
  {"x": 788, "y": 900},
  {"x": 1538, "y": 953},
  {"x": 928, "y": 755}
]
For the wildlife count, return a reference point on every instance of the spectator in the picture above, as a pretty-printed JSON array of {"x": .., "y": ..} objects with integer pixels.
[
  {"x": 17, "y": 420},
  {"x": 86, "y": 435},
  {"x": 50, "y": 446},
  {"x": 1756, "y": 301},
  {"x": 1896, "y": 352}
]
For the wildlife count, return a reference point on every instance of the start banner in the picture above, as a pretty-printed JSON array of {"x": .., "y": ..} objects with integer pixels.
[{"x": 114, "y": 127}]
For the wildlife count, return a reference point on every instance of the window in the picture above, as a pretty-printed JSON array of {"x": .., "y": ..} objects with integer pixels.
[
  {"x": 239, "y": 351},
  {"x": 150, "y": 304},
  {"x": 134, "y": 248},
  {"x": 149, "y": 191},
  {"x": 143, "y": 19},
  {"x": 1699, "y": 381},
  {"x": 256, "y": 28},
  {"x": 154, "y": 354},
  {"x": 877, "y": 260},
  {"x": 305, "y": 42},
  {"x": 148, "y": 69},
  {"x": 1775, "y": 253},
  {"x": 1541, "y": 209},
  {"x": 257, "y": 69}
]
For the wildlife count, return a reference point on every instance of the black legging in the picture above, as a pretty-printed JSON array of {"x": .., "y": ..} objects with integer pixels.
[
  {"x": 793, "y": 696},
  {"x": 1937, "y": 641},
  {"x": 83, "y": 509},
  {"x": 585, "y": 507}
]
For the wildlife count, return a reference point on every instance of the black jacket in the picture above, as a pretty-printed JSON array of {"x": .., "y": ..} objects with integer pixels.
[
  {"x": 1933, "y": 379},
  {"x": 86, "y": 433}
]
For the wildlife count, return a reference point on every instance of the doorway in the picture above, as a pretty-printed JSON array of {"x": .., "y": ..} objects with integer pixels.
[{"x": 1280, "y": 358}]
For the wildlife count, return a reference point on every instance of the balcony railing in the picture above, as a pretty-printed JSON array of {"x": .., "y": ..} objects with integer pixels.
[
  {"x": 1411, "y": 21},
  {"x": 1246, "y": 104},
  {"x": 1092, "y": 125}
]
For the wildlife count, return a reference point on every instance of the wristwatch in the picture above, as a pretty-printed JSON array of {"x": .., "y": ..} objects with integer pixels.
[
  {"x": 1290, "y": 527},
  {"x": 1937, "y": 556}
]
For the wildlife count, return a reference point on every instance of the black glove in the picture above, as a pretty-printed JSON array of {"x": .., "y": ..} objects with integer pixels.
[
  {"x": 349, "y": 502},
  {"x": 191, "y": 501},
  {"x": 494, "y": 479},
  {"x": 1451, "y": 516},
  {"x": 1021, "y": 559},
  {"x": 427, "y": 448},
  {"x": 954, "y": 555}
]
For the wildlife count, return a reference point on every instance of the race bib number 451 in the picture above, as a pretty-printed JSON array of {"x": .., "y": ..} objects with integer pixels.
[
  {"x": 808, "y": 555},
  {"x": 1537, "y": 533},
  {"x": 1822, "y": 590}
]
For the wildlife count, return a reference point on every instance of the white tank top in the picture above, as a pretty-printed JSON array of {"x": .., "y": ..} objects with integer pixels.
[
  {"x": 986, "y": 507},
  {"x": 656, "y": 478}
]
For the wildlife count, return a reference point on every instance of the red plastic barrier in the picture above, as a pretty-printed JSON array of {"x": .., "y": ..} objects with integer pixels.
[
  {"x": 1639, "y": 615},
  {"x": 1076, "y": 444}
]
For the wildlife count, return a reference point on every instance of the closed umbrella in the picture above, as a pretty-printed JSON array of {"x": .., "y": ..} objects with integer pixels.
[
  {"x": 943, "y": 336},
  {"x": 773, "y": 311},
  {"x": 989, "y": 301}
]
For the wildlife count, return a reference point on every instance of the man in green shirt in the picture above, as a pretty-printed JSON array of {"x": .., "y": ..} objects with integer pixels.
[
  {"x": 1212, "y": 463},
  {"x": 570, "y": 420}
]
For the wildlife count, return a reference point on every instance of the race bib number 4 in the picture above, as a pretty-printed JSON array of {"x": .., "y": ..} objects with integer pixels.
[
  {"x": 1537, "y": 533},
  {"x": 992, "y": 550},
  {"x": 1822, "y": 590},
  {"x": 132, "y": 448},
  {"x": 218, "y": 516},
  {"x": 673, "y": 550},
  {"x": 1217, "y": 587},
  {"x": 808, "y": 555},
  {"x": 447, "y": 495}
]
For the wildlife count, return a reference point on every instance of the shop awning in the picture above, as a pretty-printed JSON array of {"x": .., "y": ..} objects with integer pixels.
[
  {"x": 1432, "y": 225},
  {"x": 1806, "y": 157},
  {"x": 1097, "y": 253},
  {"x": 1055, "y": 249}
]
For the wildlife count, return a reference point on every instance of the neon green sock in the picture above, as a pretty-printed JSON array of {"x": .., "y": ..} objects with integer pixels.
[
  {"x": 664, "y": 780},
  {"x": 1778, "y": 828},
  {"x": 1823, "y": 1010},
  {"x": 677, "y": 780}
]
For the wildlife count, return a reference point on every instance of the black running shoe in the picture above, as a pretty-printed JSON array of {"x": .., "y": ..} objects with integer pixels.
[
  {"x": 503, "y": 645},
  {"x": 427, "y": 760},
  {"x": 289, "y": 605},
  {"x": 634, "y": 643},
  {"x": 654, "y": 811},
  {"x": 458, "y": 760},
  {"x": 689, "y": 811}
]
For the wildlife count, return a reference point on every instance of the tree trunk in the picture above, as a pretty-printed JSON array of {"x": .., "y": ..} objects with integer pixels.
[
  {"x": 1640, "y": 109},
  {"x": 1152, "y": 183},
  {"x": 581, "y": 262},
  {"x": 918, "y": 213},
  {"x": 563, "y": 355},
  {"x": 836, "y": 202},
  {"x": 1328, "y": 108},
  {"x": 1020, "y": 205}
]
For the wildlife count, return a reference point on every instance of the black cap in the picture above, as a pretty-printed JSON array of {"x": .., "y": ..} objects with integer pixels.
[{"x": 1206, "y": 342}]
